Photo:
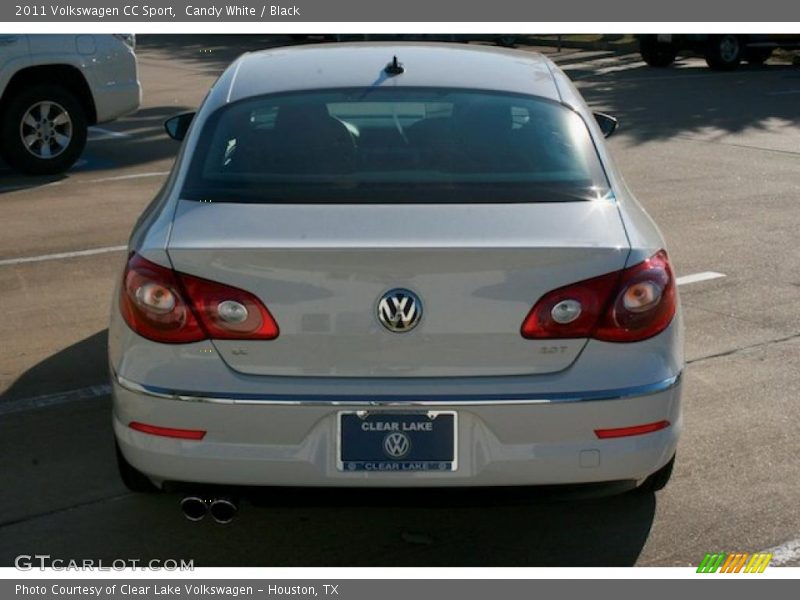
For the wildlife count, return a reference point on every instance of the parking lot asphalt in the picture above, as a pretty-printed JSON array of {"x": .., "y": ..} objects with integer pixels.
[{"x": 715, "y": 159}]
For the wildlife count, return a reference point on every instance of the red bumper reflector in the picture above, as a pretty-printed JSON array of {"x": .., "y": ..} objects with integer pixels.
[
  {"x": 183, "y": 434},
  {"x": 629, "y": 431}
]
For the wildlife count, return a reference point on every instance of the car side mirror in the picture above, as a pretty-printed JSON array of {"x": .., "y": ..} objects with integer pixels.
[
  {"x": 177, "y": 126},
  {"x": 607, "y": 123}
]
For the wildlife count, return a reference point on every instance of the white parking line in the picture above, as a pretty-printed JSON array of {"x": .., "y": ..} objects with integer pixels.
[
  {"x": 26, "y": 404},
  {"x": 60, "y": 255},
  {"x": 130, "y": 176},
  {"x": 98, "y": 133},
  {"x": 696, "y": 277},
  {"x": 15, "y": 188},
  {"x": 784, "y": 554}
]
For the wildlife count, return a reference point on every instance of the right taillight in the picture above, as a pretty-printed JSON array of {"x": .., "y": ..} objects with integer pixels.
[
  {"x": 174, "y": 308},
  {"x": 644, "y": 303},
  {"x": 625, "y": 306}
]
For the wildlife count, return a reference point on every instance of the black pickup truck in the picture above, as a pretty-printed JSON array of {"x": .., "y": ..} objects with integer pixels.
[{"x": 722, "y": 52}]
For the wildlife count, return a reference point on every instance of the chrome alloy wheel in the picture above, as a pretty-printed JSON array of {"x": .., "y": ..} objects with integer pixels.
[{"x": 46, "y": 129}]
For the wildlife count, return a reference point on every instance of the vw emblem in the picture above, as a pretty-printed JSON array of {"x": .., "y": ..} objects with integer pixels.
[
  {"x": 399, "y": 310},
  {"x": 396, "y": 445}
]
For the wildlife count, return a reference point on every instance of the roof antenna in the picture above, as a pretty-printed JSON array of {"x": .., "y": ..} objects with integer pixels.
[{"x": 394, "y": 67}]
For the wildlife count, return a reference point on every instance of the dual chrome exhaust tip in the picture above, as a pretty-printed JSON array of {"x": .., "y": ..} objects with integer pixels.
[{"x": 222, "y": 510}]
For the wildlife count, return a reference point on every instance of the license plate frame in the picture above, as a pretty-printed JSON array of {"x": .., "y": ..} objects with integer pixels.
[{"x": 445, "y": 462}]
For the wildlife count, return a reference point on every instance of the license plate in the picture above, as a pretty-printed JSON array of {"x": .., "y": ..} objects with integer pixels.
[{"x": 397, "y": 442}]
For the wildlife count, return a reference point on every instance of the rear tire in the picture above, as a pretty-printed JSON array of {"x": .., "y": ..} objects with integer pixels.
[
  {"x": 134, "y": 480},
  {"x": 64, "y": 132},
  {"x": 724, "y": 52},
  {"x": 655, "y": 53},
  {"x": 658, "y": 480}
]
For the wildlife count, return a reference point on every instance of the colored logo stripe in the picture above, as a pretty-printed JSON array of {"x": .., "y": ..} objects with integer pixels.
[
  {"x": 758, "y": 563},
  {"x": 711, "y": 563},
  {"x": 734, "y": 562}
]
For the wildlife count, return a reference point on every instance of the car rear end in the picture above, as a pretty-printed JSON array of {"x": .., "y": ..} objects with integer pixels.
[{"x": 395, "y": 286}]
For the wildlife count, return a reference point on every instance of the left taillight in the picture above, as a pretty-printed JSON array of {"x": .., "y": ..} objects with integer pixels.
[
  {"x": 154, "y": 306},
  {"x": 174, "y": 308},
  {"x": 624, "y": 306}
]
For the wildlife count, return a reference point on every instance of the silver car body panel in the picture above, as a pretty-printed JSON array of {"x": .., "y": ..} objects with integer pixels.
[
  {"x": 199, "y": 369},
  {"x": 523, "y": 444},
  {"x": 478, "y": 268}
]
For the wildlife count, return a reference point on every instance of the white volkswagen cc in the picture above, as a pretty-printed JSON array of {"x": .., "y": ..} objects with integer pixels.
[{"x": 395, "y": 265}]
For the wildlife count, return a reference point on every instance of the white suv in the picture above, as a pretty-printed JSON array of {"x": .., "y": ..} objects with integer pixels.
[{"x": 53, "y": 87}]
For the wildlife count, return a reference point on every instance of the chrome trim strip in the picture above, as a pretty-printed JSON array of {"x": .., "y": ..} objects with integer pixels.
[{"x": 400, "y": 400}]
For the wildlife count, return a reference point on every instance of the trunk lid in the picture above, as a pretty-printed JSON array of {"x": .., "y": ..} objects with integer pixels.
[{"x": 322, "y": 269}]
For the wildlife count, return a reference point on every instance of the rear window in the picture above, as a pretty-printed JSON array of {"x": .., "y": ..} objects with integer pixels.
[{"x": 396, "y": 145}]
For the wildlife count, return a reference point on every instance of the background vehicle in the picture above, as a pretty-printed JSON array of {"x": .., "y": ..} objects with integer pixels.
[
  {"x": 722, "y": 52},
  {"x": 53, "y": 87},
  {"x": 425, "y": 236}
]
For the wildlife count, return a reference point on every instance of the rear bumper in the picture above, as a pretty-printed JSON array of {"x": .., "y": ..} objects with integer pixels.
[{"x": 533, "y": 441}]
